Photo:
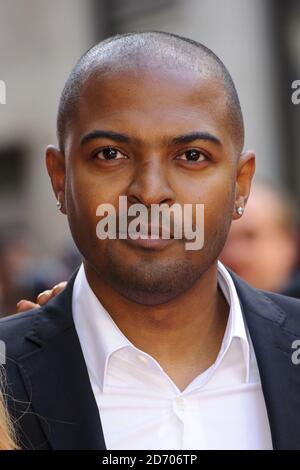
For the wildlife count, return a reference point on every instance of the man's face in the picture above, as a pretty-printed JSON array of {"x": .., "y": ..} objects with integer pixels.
[{"x": 152, "y": 108}]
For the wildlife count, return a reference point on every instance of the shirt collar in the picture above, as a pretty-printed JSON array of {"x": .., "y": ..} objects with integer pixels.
[
  {"x": 236, "y": 327},
  {"x": 98, "y": 334},
  {"x": 100, "y": 337}
]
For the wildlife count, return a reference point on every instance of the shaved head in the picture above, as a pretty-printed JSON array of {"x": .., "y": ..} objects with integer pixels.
[{"x": 153, "y": 49}]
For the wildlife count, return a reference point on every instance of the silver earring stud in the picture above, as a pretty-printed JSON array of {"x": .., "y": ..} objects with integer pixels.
[
  {"x": 59, "y": 205},
  {"x": 240, "y": 210}
]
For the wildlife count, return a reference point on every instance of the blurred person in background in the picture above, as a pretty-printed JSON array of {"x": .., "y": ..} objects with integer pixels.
[
  {"x": 24, "y": 271},
  {"x": 7, "y": 441},
  {"x": 262, "y": 246},
  {"x": 7, "y": 432},
  {"x": 18, "y": 259}
]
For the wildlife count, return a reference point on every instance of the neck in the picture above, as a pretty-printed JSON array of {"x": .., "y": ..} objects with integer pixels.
[{"x": 183, "y": 335}]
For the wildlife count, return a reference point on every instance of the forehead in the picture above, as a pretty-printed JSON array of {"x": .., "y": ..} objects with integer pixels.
[{"x": 153, "y": 100}]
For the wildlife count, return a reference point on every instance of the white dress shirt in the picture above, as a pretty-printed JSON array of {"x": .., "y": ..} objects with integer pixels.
[{"x": 141, "y": 407}]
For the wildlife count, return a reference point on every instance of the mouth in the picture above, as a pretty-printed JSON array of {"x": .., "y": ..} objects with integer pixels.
[
  {"x": 150, "y": 243},
  {"x": 151, "y": 240}
]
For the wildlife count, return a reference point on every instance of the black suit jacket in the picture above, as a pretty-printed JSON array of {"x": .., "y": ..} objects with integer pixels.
[{"x": 50, "y": 393}]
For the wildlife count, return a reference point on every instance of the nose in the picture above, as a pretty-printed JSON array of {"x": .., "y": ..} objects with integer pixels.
[{"x": 150, "y": 185}]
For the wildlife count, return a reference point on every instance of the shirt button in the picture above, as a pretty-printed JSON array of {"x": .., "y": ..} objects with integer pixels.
[{"x": 142, "y": 359}]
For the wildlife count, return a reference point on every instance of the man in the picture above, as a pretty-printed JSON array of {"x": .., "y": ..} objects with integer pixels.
[{"x": 151, "y": 345}]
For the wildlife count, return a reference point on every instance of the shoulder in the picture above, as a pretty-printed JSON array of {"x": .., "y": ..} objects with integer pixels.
[
  {"x": 19, "y": 320},
  {"x": 15, "y": 328},
  {"x": 36, "y": 326},
  {"x": 259, "y": 304},
  {"x": 284, "y": 301},
  {"x": 289, "y": 305}
]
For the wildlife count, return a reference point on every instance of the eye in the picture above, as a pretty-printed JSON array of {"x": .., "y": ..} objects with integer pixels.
[
  {"x": 192, "y": 155},
  {"x": 109, "y": 153}
]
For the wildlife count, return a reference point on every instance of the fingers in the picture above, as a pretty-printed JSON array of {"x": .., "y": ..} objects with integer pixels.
[
  {"x": 24, "y": 305},
  {"x": 45, "y": 296},
  {"x": 58, "y": 288},
  {"x": 42, "y": 298}
]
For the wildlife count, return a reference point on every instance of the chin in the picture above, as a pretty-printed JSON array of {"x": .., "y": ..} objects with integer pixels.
[{"x": 149, "y": 298}]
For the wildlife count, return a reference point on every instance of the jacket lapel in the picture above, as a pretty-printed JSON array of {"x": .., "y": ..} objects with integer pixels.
[
  {"x": 272, "y": 337},
  {"x": 57, "y": 380}
]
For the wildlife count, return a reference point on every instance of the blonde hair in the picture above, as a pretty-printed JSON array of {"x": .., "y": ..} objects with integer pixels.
[{"x": 7, "y": 433}]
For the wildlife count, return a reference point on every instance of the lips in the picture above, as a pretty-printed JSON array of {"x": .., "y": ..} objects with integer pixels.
[
  {"x": 150, "y": 243},
  {"x": 154, "y": 240},
  {"x": 152, "y": 233}
]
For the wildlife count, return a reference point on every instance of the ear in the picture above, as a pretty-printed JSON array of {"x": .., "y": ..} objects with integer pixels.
[
  {"x": 245, "y": 173},
  {"x": 55, "y": 162}
]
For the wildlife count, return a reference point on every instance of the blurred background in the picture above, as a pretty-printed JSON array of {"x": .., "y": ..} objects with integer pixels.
[{"x": 40, "y": 40}]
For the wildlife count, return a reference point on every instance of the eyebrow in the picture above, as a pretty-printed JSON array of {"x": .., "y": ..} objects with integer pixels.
[
  {"x": 116, "y": 136},
  {"x": 197, "y": 135},
  {"x": 119, "y": 137}
]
